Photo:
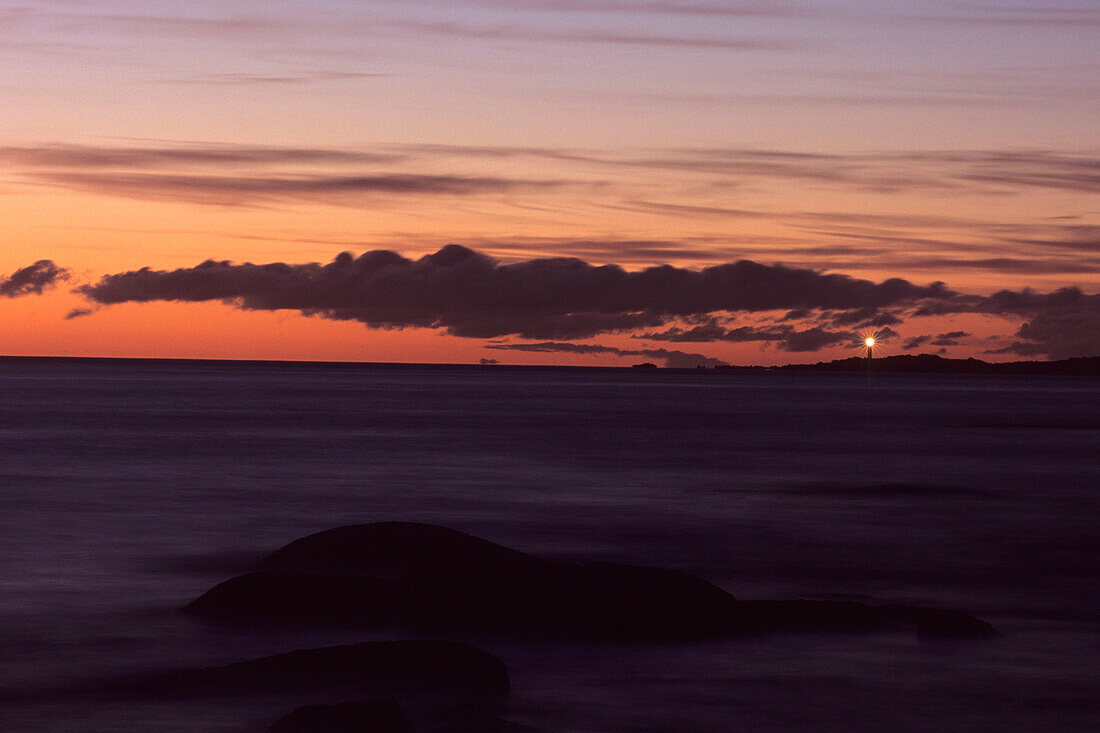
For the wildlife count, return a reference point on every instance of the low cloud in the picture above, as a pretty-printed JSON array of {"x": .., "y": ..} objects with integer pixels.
[
  {"x": 814, "y": 339},
  {"x": 1061, "y": 324},
  {"x": 949, "y": 339},
  {"x": 1068, "y": 328},
  {"x": 916, "y": 342},
  {"x": 862, "y": 318},
  {"x": 468, "y": 294},
  {"x": 672, "y": 358},
  {"x": 786, "y": 338},
  {"x": 32, "y": 279}
]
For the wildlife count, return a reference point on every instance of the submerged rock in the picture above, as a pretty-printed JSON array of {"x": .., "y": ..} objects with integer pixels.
[
  {"x": 381, "y": 668},
  {"x": 386, "y": 716},
  {"x": 803, "y": 615},
  {"x": 364, "y": 716},
  {"x": 469, "y": 719},
  {"x": 934, "y": 623}
]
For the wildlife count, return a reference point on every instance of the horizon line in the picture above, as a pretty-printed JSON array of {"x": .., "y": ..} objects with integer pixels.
[{"x": 334, "y": 362}]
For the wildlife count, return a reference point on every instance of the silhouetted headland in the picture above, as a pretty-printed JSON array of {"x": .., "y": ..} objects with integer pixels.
[{"x": 933, "y": 364}]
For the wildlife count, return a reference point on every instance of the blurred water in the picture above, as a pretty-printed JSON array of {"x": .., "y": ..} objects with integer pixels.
[{"x": 127, "y": 488}]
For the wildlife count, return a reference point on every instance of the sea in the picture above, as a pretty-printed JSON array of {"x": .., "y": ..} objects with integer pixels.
[{"x": 130, "y": 487}]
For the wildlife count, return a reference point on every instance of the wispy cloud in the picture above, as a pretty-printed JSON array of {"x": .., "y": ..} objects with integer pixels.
[
  {"x": 193, "y": 25},
  {"x": 303, "y": 28},
  {"x": 92, "y": 156},
  {"x": 978, "y": 170},
  {"x": 689, "y": 199},
  {"x": 706, "y": 8},
  {"x": 785, "y": 337},
  {"x": 283, "y": 79},
  {"x": 461, "y": 30},
  {"x": 1072, "y": 15},
  {"x": 240, "y": 191},
  {"x": 238, "y": 174},
  {"x": 1034, "y": 266},
  {"x": 889, "y": 171}
]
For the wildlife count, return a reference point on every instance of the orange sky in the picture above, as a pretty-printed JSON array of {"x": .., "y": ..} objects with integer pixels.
[{"x": 868, "y": 139}]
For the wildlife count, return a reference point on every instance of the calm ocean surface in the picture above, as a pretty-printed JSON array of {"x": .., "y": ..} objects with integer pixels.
[{"x": 128, "y": 488}]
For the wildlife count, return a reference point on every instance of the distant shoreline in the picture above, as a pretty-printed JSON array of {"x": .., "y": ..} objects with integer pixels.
[
  {"x": 933, "y": 364},
  {"x": 901, "y": 364}
]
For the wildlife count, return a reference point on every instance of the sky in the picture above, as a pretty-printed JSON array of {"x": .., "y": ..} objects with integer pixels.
[{"x": 597, "y": 182}]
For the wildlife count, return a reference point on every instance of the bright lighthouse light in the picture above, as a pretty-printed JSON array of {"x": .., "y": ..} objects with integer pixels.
[{"x": 870, "y": 341}]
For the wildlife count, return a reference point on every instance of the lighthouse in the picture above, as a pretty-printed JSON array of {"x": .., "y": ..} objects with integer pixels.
[{"x": 870, "y": 342}]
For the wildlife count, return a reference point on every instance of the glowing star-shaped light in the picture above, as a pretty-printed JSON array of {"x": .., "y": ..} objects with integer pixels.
[{"x": 870, "y": 342}]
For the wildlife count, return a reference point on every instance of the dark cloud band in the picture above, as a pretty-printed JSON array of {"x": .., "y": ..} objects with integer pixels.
[
  {"x": 471, "y": 295},
  {"x": 672, "y": 358}
]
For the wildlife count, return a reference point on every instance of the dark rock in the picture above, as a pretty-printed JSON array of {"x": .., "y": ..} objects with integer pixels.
[
  {"x": 469, "y": 719},
  {"x": 753, "y": 617},
  {"x": 382, "y": 668},
  {"x": 365, "y": 716},
  {"x": 933, "y": 623},
  {"x": 386, "y": 549},
  {"x": 643, "y": 601},
  {"x": 933, "y": 364},
  {"x": 600, "y": 600},
  {"x": 440, "y": 581},
  {"x": 278, "y": 596}
]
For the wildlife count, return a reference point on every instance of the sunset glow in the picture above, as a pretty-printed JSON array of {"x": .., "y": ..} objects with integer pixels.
[{"x": 795, "y": 172}]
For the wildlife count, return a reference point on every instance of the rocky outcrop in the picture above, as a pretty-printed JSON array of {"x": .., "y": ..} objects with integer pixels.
[
  {"x": 387, "y": 549},
  {"x": 284, "y": 596},
  {"x": 934, "y": 623},
  {"x": 364, "y": 716},
  {"x": 428, "y": 579},
  {"x": 601, "y": 600},
  {"x": 376, "y": 668}
]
